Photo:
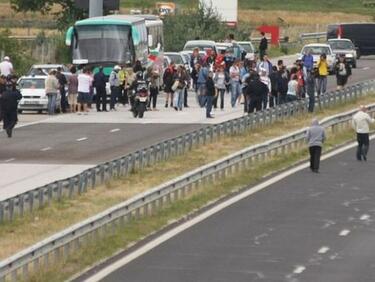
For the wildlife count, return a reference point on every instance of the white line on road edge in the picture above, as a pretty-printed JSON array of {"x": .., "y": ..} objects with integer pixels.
[
  {"x": 9, "y": 160},
  {"x": 323, "y": 250},
  {"x": 299, "y": 269},
  {"x": 82, "y": 139},
  {"x": 115, "y": 130},
  {"x": 177, "y": 230},
  {"x": 365, "y": 217},
  {"x": 46, "y": 149},
  {"x": 344, "y": 232}
]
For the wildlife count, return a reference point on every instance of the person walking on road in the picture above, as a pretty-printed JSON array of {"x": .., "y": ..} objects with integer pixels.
[
  {"x": 182, "y": 81},
  {"x": 202, "y": 84},
  {"x": 315, "y": 137},
  {"x": 343, "y": 72},
  {"x": 62, "y": 82},
  {"x": 310, "y": 89},
  {"x": 100, "y": 81},
  {"x": 114, "y": 82},
  {"x": 220, "y": 80},
  {"x": 84, "y": 85},
  {"x": 210, "y": 94},
  {"x": 168, "y": 80},
  {"x": 263, "y": 46},
  {"x": 51, "y": 88},
  {"x": 322, "y": 75},
  {"x": 255, "y": 91},
  {"x": 73, "y": 89},
  {"x": 361, "y": 123},
  {"x": 9, "y": 104},
  {"x": 6, "y": 67},
  {"x": 234, "y": 73}
]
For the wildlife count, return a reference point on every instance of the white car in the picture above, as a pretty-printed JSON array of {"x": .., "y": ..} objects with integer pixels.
[
  {"x": 317, "y": 49},
  {"x": 44, "y": 69},
  {"x": 345, "y": 47},
  {"x": 249, "y": 48},
  {"x": 34, "y": 96}
]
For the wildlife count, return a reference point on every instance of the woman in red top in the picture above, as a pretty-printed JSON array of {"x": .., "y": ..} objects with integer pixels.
[{"x": 301, "y": 82}]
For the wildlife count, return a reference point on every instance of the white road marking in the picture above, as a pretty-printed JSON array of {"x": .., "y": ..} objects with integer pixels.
[
  {"x": 365, "y": 217},
  {"x": 299, "y": 269},
  {"x": 344, "y": 232},
  {"x": 82, "y": 139},
  {"x": 115, "y": 130},
  {"x": 9, "y": 160},
  {"x": 366, "y": 68},
  {"x": 323, "y": 250},
  {"x": 46, "y": 149},
  {"x": 186, "y": 225}
]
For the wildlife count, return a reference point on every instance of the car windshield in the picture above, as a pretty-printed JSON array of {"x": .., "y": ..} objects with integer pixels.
[
  {"x": 177, "y": 59},
  {"x": 200, "y": 46},
  {"x": 316, "y": 50},
  {"x": 341, "y": 45},
  {"x": 247, "y": 46},
  {"x": 31, "y": 83}
]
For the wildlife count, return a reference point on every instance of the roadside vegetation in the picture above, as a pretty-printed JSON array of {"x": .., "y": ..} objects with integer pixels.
[{"x": 24, "y": 232}]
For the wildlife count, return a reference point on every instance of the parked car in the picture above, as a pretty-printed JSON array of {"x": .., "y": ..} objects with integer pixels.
[
  {"x": 249, "y": 48},
  {"x": 233, "y": 48},
  {"x": 361, "y": 34},
  {"x": 175, "y": 57},
  {"x": 318, "y": 49},
  {"x": 187, "y": 60},
  {"x": 344, "y": 47},
  {"x": 203, "y": 45},
  {"x": 34, "y": 96},
  {"x": 43, "y": 70}
]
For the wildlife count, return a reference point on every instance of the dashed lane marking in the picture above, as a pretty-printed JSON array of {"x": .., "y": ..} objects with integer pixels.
[
  {"x": 365, "y": 217},
  {"x": 82, "y": 139},
  {"x": 323, "y": 250},
  {"x": 344, "y": 232},
  {"x": 115, "y": 130},
  {"x": 299, "y": 269},
  {"x": 9, "y": 160},
  {"x": 46, "y": 149}
]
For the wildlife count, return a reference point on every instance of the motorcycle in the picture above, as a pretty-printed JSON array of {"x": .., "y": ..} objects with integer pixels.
[{"x": 140, "y": 99}]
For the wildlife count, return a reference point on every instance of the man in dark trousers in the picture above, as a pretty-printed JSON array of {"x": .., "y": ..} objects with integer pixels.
[
  {"x": 361, "y": 124},
  {"x": 100, "y": 81},
  {"x": 2, "y": 89},
  {"x": 315, "y": 137},
  {"x": 256, "y": 90},
  {"x": 210, "y": 94},
  {"x": 62, "y": 82},
  {"x": 263, "y": 46},
  {"x": 9, "y": 105}
]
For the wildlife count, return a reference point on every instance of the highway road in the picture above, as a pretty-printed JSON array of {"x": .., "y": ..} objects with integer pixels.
[
  {"x": 46, "y": 149},
  {"x": 304, "y": 228}
]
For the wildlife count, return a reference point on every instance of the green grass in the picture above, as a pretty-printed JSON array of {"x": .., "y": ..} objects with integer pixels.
[
  {"x": 136, "y": 230},
  {"x": 347, "y": 6}
]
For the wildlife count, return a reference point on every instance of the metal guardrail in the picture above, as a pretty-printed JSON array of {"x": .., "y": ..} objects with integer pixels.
[
  {"x": 90, "y": 178},
  {"x": 62, "y": 244},
  {"x": 313, "y": 36}
]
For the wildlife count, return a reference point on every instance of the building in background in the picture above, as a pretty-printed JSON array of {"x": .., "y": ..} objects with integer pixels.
[{"x": 227, "y": 9}]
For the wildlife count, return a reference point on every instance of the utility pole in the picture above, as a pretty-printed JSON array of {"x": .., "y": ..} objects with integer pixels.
[{"x": 96, "y": 8}]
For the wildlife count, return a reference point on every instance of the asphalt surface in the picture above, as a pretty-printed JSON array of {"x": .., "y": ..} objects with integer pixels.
[
  {"x": 49, "y": 149},
  {"x": 305, "y": 228},
  {"x": 84, "y": 143}
]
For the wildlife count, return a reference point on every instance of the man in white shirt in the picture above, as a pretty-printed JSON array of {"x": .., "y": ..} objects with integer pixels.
[
  {"x": 84, "y": 84},
  {"x": 361, "y": 122},
  {"x": 6, "y": 67}
]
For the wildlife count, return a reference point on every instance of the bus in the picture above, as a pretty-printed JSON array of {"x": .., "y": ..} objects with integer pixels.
[
  {"x": 108, "y": 41},
  {"x": 155, "y": 33}
]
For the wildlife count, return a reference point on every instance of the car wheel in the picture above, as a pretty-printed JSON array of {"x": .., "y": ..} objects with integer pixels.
[
  {"x": 354, "y": 65},
  {"x": 58, "y": 110},
  {"x": 20, "y": 111},
  {"x": 40, "y": 112}
]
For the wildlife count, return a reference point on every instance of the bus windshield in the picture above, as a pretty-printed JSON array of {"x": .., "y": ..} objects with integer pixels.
[{"x": 101, "y": 43}]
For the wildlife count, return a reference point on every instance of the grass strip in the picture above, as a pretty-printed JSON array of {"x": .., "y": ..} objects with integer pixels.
[
  {"x": 34, "y": 227},
  {"x": 136, "y": 230}
]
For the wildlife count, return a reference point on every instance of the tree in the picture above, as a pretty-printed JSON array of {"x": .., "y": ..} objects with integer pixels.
[{"x": 66, "y": 14}]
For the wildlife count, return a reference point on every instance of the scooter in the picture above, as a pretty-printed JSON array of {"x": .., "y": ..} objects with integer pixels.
[{"x": 140, "y": 99}]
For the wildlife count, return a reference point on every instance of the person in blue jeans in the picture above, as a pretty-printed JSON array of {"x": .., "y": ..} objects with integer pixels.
[
  {"x": 234, "y": 73},
  {"x": 201, "y": 84},
  {"x": 210, "y": 94}
]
